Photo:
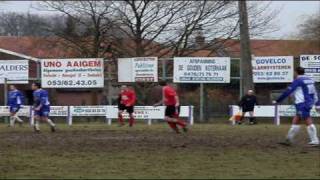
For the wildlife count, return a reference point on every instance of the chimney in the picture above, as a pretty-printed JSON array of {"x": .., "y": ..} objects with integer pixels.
[{"x": 199, "y": 39}]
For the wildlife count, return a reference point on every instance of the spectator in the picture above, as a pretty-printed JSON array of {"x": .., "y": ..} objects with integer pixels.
[{"x": 247, "y": 104}]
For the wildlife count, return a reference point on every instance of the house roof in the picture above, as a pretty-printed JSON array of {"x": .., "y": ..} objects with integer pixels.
[{"x": 51, "y": 47}]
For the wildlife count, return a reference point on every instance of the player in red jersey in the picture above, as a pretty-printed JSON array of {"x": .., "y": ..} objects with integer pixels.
[
  {"x": 170, "y": 99},
  {"x": 127, "y": 100}
]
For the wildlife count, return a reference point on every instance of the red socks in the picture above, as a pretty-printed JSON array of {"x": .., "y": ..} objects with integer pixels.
[
  {"x": 120, "y": 119},
  {"x": 172, "y": 125},
  {"x": 131, "y": 121},
  {"x": 181, "y": 123}
]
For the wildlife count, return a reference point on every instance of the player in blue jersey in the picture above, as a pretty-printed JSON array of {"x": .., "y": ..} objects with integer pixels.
[
  {"x": 14, "y": 102},
  {"x": 41, "y": 106},
  {"x": 318, "y": 104},
  {"x": 306, "y": 97}
]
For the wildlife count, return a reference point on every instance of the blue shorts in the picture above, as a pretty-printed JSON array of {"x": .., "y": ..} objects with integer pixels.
[
  {"x": 14, "y": 109},
  {"x": 303, "y": 111},
  {"x": 43, "y": 112}
]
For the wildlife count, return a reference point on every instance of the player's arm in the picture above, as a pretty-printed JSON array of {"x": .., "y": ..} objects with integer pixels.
[
  {"x": 19, "y": 99},
  {"x": 132, "y": 99},
  {"x": 289, "y": 90},
  {"x": 317, "y": 100},
  {"x": 42, "y": 101},
  {"x": 177, "y": 100}
]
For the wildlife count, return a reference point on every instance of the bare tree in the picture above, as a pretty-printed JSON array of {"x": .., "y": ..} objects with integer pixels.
[
  {"x": 309, "y": 29},
  {"x": 86, "y": 24},
  {"x": 22, "y": 24}
]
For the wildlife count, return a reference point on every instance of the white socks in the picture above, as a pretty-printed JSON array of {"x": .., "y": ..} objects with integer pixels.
[
  {"x": 292, "y": 132},
  {"x": 13, "y": 120},
  {"x": 37, "y": 126},
  {"x": 312, "y": 131},
  {"x": 50, "y": 123}
]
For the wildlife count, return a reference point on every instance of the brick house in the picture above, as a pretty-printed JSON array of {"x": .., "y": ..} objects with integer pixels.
[{"x": 50, "y": 48}]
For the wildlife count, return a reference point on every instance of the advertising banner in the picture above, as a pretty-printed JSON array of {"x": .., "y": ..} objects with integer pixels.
[
  {"x": 24, "y": 111},
  {"x": 15, "y": 70},
  {"x": 72, "y": 73},
  {"x": 311, "y": 64},
  {"x": 201, "y": 70},
  {"x": 138, "y": 69},
  {"x": 272, "y": 69},
  {"x": 88, "y": 110},
  {"x": 59, "y": 111}
]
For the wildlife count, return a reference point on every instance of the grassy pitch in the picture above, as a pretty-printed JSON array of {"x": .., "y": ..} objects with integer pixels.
[{"x": 208, "y": 151}]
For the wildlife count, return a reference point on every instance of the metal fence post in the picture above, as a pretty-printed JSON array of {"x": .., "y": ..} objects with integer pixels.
[
  {"x": 163, "y": 69},
  {"x": 201, "y": 102},
  {"x": 5, "y": 88}
]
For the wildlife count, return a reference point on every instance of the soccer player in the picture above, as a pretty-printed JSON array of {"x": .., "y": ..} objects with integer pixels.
[
  {"x": 14, "y": 102},
  {"x": 170, "y": 99},
  {"x": 318, "y": 104},
  {"x": 41, "y": 107},
  {"x": 127, "y": 100},
  {"x": 305, "y": 97},
  {"x": 247, "y": 104}
]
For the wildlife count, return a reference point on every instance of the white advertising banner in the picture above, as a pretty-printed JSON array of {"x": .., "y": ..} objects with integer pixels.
[
  {"x": 72, "y": 73},
  {"x": 311, "y": 64},
  {"x": 24, "y": 111},
  {"x": 272, "y": 69},
  {"x": 259, "y": 111},
  {"x": 290, "y": 111},
  {"x": 15, "y": 70},
  {"x": 88, "y": 110},
  {"x": 146, "y": 112},
  {"x": 201, "y": 70},
  {"x": 138, "y": 69},
  {"x": 59, "y": 111}
]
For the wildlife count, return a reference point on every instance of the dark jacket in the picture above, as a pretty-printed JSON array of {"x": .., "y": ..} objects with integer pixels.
[{"x": 247, "y": 103}]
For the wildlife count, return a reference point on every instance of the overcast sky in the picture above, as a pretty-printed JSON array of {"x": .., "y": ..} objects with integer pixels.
[{"x": 293, "y": 12}]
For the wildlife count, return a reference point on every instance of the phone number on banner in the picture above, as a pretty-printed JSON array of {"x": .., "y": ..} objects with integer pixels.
[{"x": 71, "y": 83}]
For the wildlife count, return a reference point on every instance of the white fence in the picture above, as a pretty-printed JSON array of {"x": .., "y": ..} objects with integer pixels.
[
  {"x": 273, "y": 111},
  {"x": 109, "y": 112}
]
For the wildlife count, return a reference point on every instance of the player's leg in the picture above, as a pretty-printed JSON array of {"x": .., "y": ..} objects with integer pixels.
[
  {"x": 45, "y": 111},
  {"x": 120, "y": 116},
  {"x": 251, "y": 118},
  {"x": 242, "y": 117},
  {"x": 311, "y": 128},
  {"x": 45, "y": 118},
  {"x": 179, "y": 121},
  {"x": 169, "y": 113},
  {"x": 294, "y": 129},
  {"x": 12, "y": 116},
  {"x": 37, "y": 118},
  {"x": 17, "y": 118},
  {"x": 130, "y": 110}
]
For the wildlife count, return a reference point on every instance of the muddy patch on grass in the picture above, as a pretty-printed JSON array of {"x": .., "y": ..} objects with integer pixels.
[{"x": 113, "y": 140}]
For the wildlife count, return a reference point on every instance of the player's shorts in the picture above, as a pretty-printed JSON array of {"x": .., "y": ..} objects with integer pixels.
[
  {"x": 14, "y": 109},
  {"x": 43, "y": 112},
  {"x": 129, "y": 109},
  {"x": 247, "y": 109},
  {"x": 303, "y": 110},
  {"x": 172, "y": 111}
]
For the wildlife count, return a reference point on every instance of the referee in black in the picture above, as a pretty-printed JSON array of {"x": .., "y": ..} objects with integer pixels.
[{"x": 247, "y": 104}]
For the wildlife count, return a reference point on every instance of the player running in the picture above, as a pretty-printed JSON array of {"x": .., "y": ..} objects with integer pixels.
[
  {"x": 14, "y": 102},
  {"x": 305, "y": 97},
  {"x": 171, "y": 100},
  {"x": 127, "y": 100},
  {"x": 41, "y": 107}
]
